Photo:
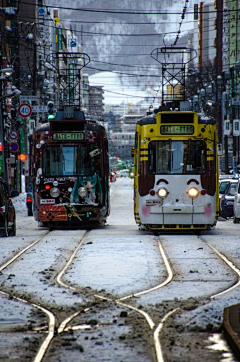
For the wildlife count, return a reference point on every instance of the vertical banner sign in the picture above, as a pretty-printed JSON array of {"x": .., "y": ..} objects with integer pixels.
[
  {"x": 43, "y": 26},
  {"x": 195, "y": 11},
  {"x": 225, "y": 40},
  {"x": 233, "y": 31},
  {"x": 8, "y": 170},
  {"x": 60, "y": 43}
]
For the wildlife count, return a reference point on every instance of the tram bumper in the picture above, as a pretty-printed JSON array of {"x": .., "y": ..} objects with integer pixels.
[
  {"x": 179, "y": 216},
  {"x": 70, "y": 214}
]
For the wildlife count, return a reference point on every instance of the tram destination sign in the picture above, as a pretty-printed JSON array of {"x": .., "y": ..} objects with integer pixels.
[
  {"x": 183, "y": 129},
  {"x": 68, "y": 136}
]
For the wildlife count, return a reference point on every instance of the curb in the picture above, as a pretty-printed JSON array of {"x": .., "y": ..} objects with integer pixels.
[{"x": 231, "y": 328}]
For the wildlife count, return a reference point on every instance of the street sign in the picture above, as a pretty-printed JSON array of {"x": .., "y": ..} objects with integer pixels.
[
  {"x": 28, "y": 98},
  {"x": 236, "y": 101},
  {"x": 72, "y": 42},
  {"x": 39, "y": 109},
  {"x": 13, "y": 135},
  {"x": 14, "y": 147},
  {"x": 25, "y": 110}
]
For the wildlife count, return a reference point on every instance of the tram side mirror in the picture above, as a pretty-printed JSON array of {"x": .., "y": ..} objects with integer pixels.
[
  {"x": 39, "y": 172},
  {"x": 95, "y": 152}
]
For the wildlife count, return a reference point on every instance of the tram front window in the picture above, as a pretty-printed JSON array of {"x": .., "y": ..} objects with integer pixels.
[
  {"x": 177, "y": 157},
  {"x": 67, "y": 161}
]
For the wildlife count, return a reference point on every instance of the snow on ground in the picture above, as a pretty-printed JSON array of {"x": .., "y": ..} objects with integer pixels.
[
  {"x": 20, "y": 203},
  {"x": 228, "y": 234}
]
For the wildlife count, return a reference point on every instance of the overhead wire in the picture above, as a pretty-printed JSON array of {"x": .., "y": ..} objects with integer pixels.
[
  {"x": 121, "y": 73},
  {"x": 125, "y": 11}
]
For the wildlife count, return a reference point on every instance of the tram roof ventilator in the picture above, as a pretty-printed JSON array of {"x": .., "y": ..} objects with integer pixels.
[{"x": 69, "y": 113}]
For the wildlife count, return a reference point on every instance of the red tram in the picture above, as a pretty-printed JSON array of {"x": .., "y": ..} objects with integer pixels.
[{"x": 70, "y": 172}]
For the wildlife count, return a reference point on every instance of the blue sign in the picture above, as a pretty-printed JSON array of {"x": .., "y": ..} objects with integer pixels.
[
  {"x": 41, "y": 11},
  {"x": 13, "y": 134},
  {"x": 14, "y": 147}
]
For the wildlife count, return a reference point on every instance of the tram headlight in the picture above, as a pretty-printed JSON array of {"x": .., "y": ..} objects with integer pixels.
[
  {"x": 193, "y": 192},
  {"x": 82, "y": 192},
  {"x": 54, "y": 192},
  {"x": 162, "y": 192}
]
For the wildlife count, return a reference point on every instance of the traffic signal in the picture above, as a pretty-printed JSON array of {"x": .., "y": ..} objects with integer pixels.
[{"x": 50, "y": 110}]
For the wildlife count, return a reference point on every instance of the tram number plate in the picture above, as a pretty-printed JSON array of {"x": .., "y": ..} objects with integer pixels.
[
  {"x": 154, "y": 202},
  {"x": 47, "y": 201},
  {"x": 67, "y": 136}
]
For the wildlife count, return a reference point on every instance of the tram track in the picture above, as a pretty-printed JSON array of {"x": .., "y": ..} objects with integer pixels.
[
  {"x": 122, "y": 301},
  {"x": 50, "y": 315},
  {"x": 230, "y": 264},
  {"x": 155, "y": 327},
  {"x": 236, "y": 284},
  {"x": 52, "y": 325}
]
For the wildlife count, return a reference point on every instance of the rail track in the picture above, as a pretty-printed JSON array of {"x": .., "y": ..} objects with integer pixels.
[{"x": 57, "y": 327}]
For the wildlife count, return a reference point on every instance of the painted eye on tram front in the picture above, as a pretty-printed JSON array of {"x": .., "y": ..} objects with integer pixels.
[{"x": 162, "y": 192}]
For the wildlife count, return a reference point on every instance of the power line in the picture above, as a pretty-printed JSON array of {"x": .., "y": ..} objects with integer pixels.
[{"x": 128, "y": 12}]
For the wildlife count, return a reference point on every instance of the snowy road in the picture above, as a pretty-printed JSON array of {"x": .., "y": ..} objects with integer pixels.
[{"x": 102, "y": 293}]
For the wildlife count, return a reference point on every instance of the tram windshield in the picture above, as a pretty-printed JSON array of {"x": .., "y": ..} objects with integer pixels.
[
  {"x": 67, "y": 161},
  {"x": 177, "y": 157}
]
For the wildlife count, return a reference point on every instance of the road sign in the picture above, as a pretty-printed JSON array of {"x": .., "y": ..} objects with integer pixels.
[
  {"x": 13, "y": 135},
  {"x": 28, "y": 98},
  {"x": 14, "y": 147},
  {"x": 39, "y": 109},
  {"x": 236, "y": 101},
  {"x": 25, "y": 110},
  {"x": 72, "y": 42}
]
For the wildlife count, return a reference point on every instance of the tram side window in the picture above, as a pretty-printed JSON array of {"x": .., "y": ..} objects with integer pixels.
[{"x": 177, "y": 157}]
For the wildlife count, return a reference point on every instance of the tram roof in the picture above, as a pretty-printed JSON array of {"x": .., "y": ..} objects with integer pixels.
[
  {"x": 91, "y": 126},
  {"x": 151, "y": 119}
]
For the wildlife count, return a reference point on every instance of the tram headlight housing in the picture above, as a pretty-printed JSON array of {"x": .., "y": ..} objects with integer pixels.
[
  {"x": 55, "y": 192},
  {"x": 193, "y": 192},
  {"x": 82, "y": 192},
  {"x": 162, "y": 192}
]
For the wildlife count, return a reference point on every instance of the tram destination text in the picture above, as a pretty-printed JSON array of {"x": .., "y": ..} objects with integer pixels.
[{"x": 68, "y": 136}]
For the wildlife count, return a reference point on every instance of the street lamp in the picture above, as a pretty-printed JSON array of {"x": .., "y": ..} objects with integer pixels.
[{"x": 7, "y": 71}]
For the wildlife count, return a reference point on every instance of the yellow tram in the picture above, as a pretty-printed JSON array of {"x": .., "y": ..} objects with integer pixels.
[{"x": 176, "y": 171}]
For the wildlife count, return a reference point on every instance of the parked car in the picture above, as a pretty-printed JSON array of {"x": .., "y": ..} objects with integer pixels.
[
  {"x": 7, "y": 210},
  {"x": 124, "y": 173},
  {"x": 236, "y": 205},
  {"x": 29, "y": 201},
  {"x": 227, "y": 199},
  {"x": 223, "y": 183}
]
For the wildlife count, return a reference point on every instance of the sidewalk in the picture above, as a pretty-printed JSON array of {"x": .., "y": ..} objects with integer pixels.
[{"x": 231, "y": 328}]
